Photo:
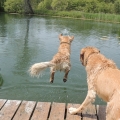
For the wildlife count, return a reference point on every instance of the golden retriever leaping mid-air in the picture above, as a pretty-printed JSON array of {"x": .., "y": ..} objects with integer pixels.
[
  {"x": 60, "y": 61},
  {"x": 103, "y": 78}
]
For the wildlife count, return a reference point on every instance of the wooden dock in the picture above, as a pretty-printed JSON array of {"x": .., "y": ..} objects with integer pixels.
[{"x": 31, "y": 110}]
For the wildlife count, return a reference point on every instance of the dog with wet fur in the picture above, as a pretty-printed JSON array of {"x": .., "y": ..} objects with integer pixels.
[
  {"x": 103, "y": 78},
  {"x": 60, "y": 61}
]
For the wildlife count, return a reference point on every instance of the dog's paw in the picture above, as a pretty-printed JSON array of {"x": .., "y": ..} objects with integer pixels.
[
  {"x": 64, "y": 80},
  {"x": 51, "y": 82},
  {"x": 72, "y": 110}
]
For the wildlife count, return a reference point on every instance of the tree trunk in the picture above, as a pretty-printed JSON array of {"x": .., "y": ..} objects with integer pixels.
[
  {"x": 2, "y": 5},
  {"x": 28, "y": 8}
]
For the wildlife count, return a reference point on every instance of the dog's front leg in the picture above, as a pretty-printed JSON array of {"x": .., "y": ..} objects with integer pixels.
[
  {"x": 89, "y": 98},
  {"x": 66, "y": 75},
  {"x": 52, "y": 70}
]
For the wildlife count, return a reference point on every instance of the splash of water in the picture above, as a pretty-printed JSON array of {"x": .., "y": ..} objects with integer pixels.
[{"x": 65, "y": 32}]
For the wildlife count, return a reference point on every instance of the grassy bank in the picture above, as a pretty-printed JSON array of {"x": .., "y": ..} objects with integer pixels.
[
  {"x": 100, "y": 17},
  {"x": 81, "y": 15}
]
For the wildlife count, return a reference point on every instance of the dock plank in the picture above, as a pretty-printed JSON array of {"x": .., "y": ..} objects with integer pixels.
[
  {"x": 2, "y": 102},
  {"x": 31, "y": 110},
  {"x": 9, "y": 109},
  {"x": 57, "y": 111},
  {"x": 41, "y": 111},
  {"x": 73, "y": 117},
  {"x": 89, "y": 113},
  {"x": 25, "y": 110},
  {"x": 101, "y": 112}
]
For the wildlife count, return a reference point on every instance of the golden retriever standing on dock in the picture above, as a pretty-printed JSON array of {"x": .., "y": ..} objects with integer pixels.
[
  {"x": 103, "y": 78},
  {"x": 61, "y": 61}
]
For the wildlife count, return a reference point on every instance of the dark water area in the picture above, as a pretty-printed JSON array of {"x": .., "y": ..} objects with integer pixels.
[{"x": 25, "y": 40}]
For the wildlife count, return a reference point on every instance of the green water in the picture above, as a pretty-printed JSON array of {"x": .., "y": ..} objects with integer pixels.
[{"x": 25, "y": 40}]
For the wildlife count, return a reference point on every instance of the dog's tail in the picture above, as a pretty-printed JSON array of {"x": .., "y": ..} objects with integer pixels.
[{"x": 38, "y": 68}]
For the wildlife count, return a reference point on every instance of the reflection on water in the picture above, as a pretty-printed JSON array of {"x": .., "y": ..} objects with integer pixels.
[
  {"x": 25, "y": 40},
  {"x": 1, "y": 80}
]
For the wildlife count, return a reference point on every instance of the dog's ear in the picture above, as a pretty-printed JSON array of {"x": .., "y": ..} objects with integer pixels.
[
  {"x": 96, "y": 50},
  {"x": 71, "y": 38},
  {"x": 60, "y": 36},
  {"x": 86, "y": 52},
  {"x": 82, "y": 52}
]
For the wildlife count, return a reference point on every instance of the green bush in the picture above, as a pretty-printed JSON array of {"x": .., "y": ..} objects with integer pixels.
[
  {"x": 14, "y": 6},
  {"x": 44, "y": 5},
  {"x": 91, "y": 6},
  {"x": 117, "y": 6},
  {"x": 83, "y": 5},
  {"x": 74, "y": 5},
  {"x": 105, "y": 8},
  {"x": 59, "y": 5},
  {"x": 41, "y": 6},
  {"x": 34, "y": 4},
  {"x": 110, "y": 8},
  {"x": 47, "y": 4}
]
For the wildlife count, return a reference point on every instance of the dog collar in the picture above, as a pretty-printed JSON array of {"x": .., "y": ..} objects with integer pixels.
[{"x": 65, "y": 42}]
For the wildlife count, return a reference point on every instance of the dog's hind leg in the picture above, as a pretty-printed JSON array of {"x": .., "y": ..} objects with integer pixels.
[
  {"x": 89, "y": 98},
  {"x": 66, "y": 75},
  {"x": 52, "y": 70}
]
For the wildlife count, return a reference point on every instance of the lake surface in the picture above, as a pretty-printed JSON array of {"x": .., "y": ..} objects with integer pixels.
[{"x": 25, "y": 40}]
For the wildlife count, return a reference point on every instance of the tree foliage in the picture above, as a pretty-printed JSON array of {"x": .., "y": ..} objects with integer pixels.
[
  {"x": 13, "y": 6},
  {"x": 59, "y": 5},
  {"x": 117, "y": 6},
  {"x": 44, "y": 5},
  {"x": 90, "y": 6},
  {"x": 75, "y": 5}
]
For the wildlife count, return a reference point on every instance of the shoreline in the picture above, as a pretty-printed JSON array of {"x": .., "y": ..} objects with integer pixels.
[{"x": 69, "y": 17}]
